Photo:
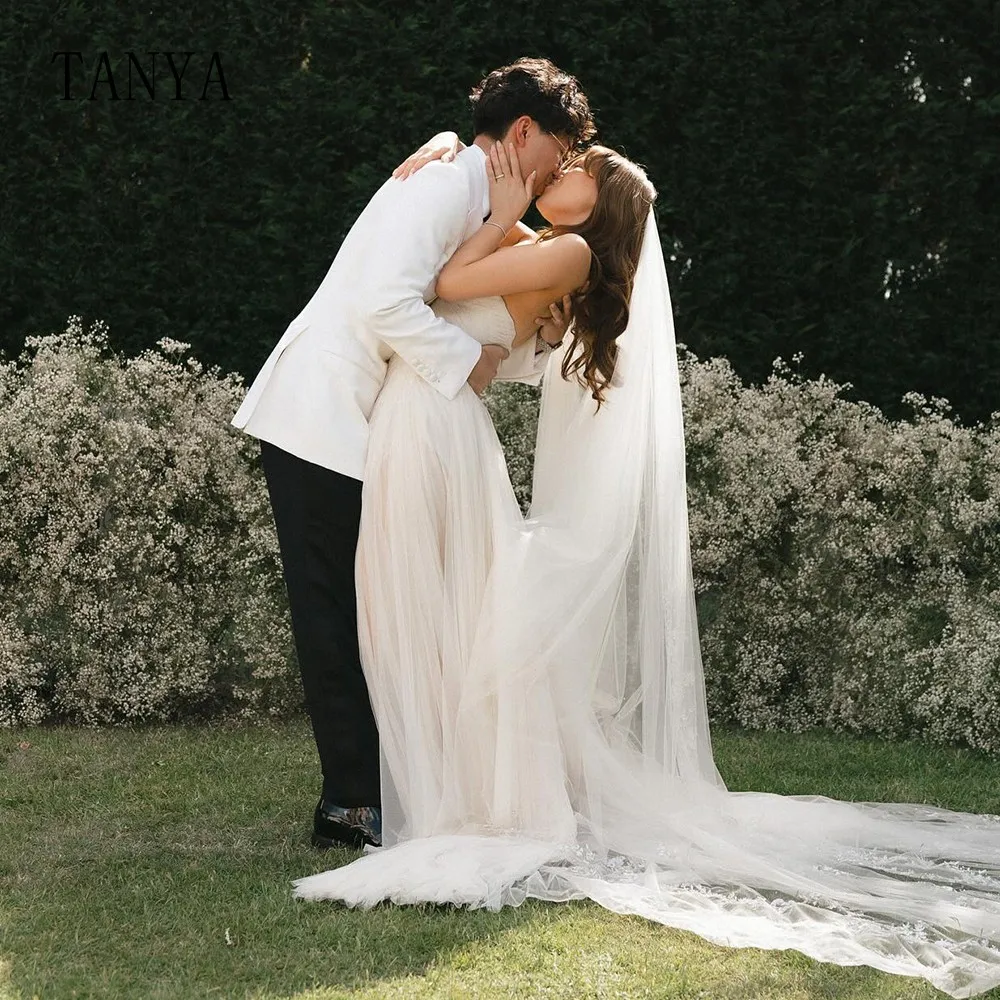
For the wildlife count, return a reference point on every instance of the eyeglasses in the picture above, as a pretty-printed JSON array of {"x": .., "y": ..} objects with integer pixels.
[{"x": 564, "y": 151}]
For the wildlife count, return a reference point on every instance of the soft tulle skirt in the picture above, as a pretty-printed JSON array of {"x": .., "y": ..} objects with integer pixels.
[{"x": 437, "y": 507}]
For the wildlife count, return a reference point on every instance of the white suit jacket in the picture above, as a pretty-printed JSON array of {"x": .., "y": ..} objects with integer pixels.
[{"x": 315, "y": 392}]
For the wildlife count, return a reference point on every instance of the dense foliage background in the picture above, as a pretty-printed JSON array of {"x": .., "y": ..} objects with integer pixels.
[{"x": 828, "y": 172}]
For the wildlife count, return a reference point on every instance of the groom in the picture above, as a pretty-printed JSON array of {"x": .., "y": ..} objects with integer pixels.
[{"x": 310, "y": 403}]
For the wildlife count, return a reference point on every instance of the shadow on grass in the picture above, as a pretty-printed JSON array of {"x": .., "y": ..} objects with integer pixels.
[
  {"x": 195, "y": 923},
  {"x": 159, "y": 863}
]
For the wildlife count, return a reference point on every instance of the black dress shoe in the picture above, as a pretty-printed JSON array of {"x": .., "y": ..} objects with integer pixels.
[{"x": 335, "y": 826}]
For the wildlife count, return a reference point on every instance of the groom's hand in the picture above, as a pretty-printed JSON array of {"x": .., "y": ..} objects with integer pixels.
[
  {"x": 552, "y": 328},
  {"x": 486, "y": 367}
]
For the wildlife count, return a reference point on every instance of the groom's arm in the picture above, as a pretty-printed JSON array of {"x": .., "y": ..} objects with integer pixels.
[{"x": 417, "y": 224}]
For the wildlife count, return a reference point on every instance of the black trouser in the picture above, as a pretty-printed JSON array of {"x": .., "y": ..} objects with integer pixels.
[{"x": 317, "y": 513}]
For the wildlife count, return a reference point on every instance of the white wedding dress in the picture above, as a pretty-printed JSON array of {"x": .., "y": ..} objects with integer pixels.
[{"x": 540, "y": 700}]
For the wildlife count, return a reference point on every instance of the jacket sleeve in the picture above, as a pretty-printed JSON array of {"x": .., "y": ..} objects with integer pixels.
[{"x": 418, "y": 225}]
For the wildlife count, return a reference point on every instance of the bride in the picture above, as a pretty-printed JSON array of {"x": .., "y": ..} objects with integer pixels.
[{"x": 537, "y": 681}]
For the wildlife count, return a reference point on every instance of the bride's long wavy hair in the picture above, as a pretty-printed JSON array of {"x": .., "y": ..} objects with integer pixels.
[{"x": 613, "y": 231}]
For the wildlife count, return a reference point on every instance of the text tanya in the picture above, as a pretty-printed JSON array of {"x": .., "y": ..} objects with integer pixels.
[{"x": 104, "y": 84}]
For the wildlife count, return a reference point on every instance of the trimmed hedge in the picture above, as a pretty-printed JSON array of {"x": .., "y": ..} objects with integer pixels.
[{"x": 829, "y": 175}]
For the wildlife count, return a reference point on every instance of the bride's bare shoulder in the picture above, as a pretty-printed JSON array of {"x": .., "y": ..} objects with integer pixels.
[{"x": 572, "y": 251}]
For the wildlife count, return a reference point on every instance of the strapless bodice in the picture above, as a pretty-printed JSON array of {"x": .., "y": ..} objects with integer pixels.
[{"x": 484, "y": 318}]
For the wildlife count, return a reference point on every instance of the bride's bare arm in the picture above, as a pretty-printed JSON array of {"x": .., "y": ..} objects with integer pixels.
[
  {"x": 482, "y": 266},
  {"x": 518, "y": 233},
  {"x": 561, "y": 265}
]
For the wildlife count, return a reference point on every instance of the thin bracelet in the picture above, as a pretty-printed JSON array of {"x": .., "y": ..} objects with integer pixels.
[
  {"x": 547, "y": 345},
  {"x": 496, "y": 225}
]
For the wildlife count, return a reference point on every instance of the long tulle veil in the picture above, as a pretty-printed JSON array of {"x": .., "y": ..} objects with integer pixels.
[
  {"x": 578, "y": 761},
  {"x": 613, "y": 481}
]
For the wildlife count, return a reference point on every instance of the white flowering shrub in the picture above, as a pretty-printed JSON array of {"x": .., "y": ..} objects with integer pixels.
[
  {"x": 513, "y": 407},
  {"x": 847, "y": 567},
  {"x": 139, "y": 571}
]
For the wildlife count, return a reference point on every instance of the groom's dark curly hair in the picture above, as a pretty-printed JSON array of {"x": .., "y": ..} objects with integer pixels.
[{"x": 535, "y": 87}]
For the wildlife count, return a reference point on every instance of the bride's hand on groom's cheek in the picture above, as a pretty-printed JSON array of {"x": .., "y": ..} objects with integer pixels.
[
  {"x": 510, "y": 193},
  {"x": 444, "y": 146}
]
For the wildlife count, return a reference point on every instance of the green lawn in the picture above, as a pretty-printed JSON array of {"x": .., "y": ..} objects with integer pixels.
[{"x": 158, "y": 862}]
